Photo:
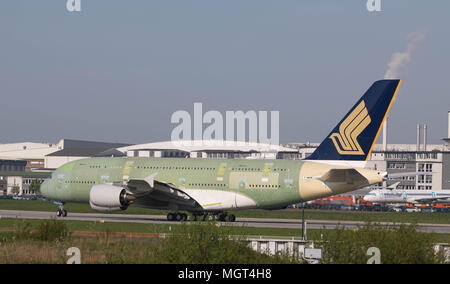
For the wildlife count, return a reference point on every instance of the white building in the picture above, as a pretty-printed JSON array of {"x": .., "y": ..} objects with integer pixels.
[
  {"x": 18, "y": 183},
  {"x": 28, "y": 150},
  {"x": 49, "y": 156},
  {"x": 73, "y": 150},
  {"x": 210, "y": 149},
  {"x": 31, "y": 152}
]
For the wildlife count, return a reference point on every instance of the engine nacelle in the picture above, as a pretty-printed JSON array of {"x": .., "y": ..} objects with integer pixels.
[{"x": 109, "y": 198}]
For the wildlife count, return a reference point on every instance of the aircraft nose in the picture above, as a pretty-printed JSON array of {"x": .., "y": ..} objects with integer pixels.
[{"x": 46, "y": 188}]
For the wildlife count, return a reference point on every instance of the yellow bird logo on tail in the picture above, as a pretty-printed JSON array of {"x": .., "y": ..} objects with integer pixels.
[{"x": 345, "y": 141}]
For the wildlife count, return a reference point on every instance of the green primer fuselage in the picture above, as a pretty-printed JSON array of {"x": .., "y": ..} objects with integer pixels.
[{"x": 269, "y": 183}]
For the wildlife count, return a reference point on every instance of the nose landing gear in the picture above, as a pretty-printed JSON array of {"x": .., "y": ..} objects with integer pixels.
[{"x": 61, "y": 211}]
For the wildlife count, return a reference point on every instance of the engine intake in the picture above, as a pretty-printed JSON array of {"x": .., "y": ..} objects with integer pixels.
[{"x": 109, "y": 198}]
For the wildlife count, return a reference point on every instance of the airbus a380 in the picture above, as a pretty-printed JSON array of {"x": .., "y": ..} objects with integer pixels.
[{"x": 215, "y": 186}]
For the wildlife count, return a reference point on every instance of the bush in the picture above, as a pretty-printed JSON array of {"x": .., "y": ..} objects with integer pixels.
[
  {"x": 52, "y": 230},
  {"x": 22, "y": 230},
  {"x": 206, "y": 243},
  {"x": 397, "y": 244}
]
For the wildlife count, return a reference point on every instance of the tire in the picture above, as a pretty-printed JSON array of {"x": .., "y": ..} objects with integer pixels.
[
  {"x": 170, "y": 217},
  {"x": 58, "y": 213},
  {"x": 64, "y": 213}
]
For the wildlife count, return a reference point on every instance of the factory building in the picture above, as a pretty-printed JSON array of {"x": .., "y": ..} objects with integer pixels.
[
  {"x": 12, "y": 165},
  {"x": 77, "y": 149},
  {"x": 49, "y": 156},
  {"x": 18, "y": 182},
  {"x": 25, "y": 162},
  {"x": 433, "y": 163},
  {"x": 32, "y": 153},
  {"x": 430, "y": 159},
  {"x": 214, "y": 149}
]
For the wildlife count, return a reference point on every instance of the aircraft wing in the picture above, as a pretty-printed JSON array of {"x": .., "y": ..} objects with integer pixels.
[{"x": 155, "y": 193}]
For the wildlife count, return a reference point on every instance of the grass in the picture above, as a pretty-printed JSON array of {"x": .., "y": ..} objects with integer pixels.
[
  {"x": 48, "y": 241},
  {"x": 388, "y": 245},
  {"x": 364, "y": 216},
  {"x": 189, "y": 243},
  {"x": 9, "y": 223},
  {"x": 312, "y": 234},
  {"x": 397, "y": 217}
]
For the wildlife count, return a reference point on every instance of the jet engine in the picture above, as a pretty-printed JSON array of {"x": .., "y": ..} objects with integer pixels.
[{"x": 109, "y": 198}]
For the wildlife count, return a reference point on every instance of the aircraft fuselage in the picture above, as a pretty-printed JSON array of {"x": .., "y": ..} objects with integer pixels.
[{"x": 237, "y": 183}]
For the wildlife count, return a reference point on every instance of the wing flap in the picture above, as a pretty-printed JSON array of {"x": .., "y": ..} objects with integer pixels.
[{"x": 149, "y": 190}]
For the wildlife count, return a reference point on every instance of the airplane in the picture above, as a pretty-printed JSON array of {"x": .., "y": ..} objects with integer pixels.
[
  {"x": 212, "y": 187},
  {"x": 407, "y": 196}
]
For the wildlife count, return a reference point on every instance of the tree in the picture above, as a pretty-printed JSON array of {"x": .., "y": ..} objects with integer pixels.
[
  {"x": 35, "y": 186},
  {"x": 15, "y": 190}
]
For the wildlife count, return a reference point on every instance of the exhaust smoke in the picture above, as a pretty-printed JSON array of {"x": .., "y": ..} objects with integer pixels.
[{"x": 401, "y": 59}]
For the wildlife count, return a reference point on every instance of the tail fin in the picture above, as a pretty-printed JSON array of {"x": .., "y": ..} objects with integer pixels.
[{"x": 353, "y": 138}]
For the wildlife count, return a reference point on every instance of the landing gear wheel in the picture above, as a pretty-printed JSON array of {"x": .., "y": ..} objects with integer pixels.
[
  {"x": 231, "y": 218},
  {"x": 61, "y": 211},
  {"x": 177, "y": 217},
  {"x": 222, "y": 217}
]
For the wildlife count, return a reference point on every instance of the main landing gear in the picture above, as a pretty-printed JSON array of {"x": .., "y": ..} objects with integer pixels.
[
  {"x": 177, "y": 217},
  {"x": 61, "y": 211},
  {"x": 202, "y": 216},
  {"x": 224, "y": 217}
]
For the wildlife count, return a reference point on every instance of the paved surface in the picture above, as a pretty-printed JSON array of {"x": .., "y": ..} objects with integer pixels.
[{"x": 249, "y": 222}]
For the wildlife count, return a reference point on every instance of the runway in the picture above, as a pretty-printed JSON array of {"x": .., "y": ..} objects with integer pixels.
[{"x": 249, "y": 222}]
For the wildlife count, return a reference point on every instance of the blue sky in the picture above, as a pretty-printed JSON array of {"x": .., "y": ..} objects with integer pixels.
[{"x": 117, "y": 70}]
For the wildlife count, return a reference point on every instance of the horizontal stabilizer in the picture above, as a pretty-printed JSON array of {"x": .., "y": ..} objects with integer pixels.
[{"x": 349, "y": 176}]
